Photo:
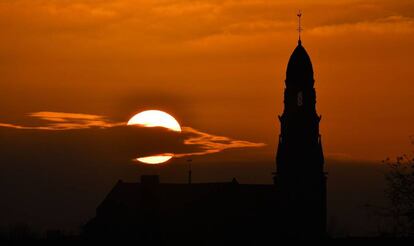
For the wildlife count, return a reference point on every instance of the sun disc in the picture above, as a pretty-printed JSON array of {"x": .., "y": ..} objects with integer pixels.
[{"x": 154, "y": 118}]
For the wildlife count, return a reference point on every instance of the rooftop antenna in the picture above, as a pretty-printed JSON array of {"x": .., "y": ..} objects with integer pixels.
[
  {"x": 299, "y": 15},
  {"x": 189, "y": 170}
]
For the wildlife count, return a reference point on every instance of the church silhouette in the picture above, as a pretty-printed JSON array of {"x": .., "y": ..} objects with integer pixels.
[{"x": 204, "y": 213}]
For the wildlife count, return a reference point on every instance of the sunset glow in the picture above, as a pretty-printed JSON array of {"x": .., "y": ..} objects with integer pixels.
[{"x": 215, "y": 116}]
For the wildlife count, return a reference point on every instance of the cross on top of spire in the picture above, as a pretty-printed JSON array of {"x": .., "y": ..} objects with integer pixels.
[{"x": 299, "y": 15}]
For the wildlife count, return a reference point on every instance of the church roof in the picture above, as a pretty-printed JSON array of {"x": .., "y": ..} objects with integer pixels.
[
  {"x": 185, "y": 212},
  {"x": 299, "y": 70},
  {"x": 128, "y": 193},
  {"x": 171, "y": 195}
]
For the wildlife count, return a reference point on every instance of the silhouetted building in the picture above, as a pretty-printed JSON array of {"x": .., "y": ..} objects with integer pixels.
[
  {"x": 295, "y": 206},
  {"x": 300, "y": 178},
  {"x": 197, "y": 213}
]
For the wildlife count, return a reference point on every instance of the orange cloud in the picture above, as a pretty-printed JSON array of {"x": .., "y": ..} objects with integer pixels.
[
  {"x": 213, "y": 143},
  {"x": 65, "y": 121},
  {"x": 391, "y": 24}
]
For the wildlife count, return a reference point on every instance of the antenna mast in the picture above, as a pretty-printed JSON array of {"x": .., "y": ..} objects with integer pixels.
[{"x": 189, "y": 170}]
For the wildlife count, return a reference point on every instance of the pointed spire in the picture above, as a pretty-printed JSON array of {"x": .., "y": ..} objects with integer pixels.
[{"x": 299, "y": 15}]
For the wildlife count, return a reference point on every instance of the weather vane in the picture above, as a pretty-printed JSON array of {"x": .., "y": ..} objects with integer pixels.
[{"x": 299, "y": 14}]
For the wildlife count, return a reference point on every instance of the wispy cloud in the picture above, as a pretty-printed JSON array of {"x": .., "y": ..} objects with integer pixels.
[
  {"x": 199, "y": 143},
  {"x": 391, "y": 24},
  {"x": 65, "y": 121},
  {"x": 213, "y": 143}
]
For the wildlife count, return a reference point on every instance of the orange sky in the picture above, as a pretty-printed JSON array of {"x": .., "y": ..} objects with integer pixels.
[{"x": 218, "y": 66}]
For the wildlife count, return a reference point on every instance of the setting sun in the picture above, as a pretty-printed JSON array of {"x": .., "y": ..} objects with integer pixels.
[{"x": 155, "y": 118}]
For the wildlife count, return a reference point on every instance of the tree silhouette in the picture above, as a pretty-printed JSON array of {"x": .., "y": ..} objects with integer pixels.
[{"x": 400, "y": 194}]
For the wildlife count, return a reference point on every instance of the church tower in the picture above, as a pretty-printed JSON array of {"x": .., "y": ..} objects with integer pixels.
[{"x": 300, "y": 178}]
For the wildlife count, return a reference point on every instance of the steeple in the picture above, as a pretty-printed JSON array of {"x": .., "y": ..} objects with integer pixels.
[
  {"x": 299, "y": 72},
  {"x": 300, "y": 178}
]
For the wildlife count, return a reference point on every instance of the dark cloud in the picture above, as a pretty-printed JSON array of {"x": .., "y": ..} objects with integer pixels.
[{"x": 102, "y": 137}]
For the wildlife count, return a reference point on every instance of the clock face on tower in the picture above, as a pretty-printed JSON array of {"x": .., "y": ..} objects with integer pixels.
[{"x": 300, "y": 99}]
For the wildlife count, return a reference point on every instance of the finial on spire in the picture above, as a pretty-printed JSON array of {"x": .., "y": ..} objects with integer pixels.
[{"x": 299, "y": 15}]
